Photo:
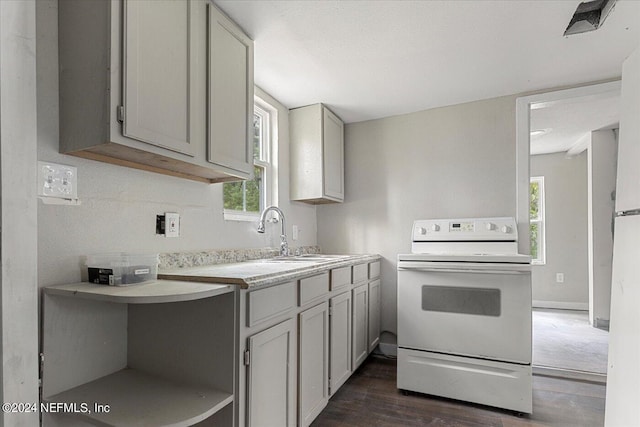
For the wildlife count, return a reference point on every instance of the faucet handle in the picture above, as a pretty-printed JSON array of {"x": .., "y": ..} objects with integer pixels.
[{"x": 284, "y": 246}]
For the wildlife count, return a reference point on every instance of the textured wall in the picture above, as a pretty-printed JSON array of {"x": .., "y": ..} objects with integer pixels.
[
  {"x": 119, "y": 205},
  {"x": 565, "y": 181},
  {"x": 456, "y": 161}
]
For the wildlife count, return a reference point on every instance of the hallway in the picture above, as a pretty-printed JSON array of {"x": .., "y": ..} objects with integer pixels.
[{"x": 564, "y": 339}]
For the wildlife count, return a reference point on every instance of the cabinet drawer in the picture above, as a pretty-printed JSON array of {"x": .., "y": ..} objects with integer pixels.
[
  {"x": 312, "y": 288},
  {"x": 374, "y": 269},
  {"x": 266, "y": 304},
  {"x": 340, "y": 277},
  {"x": 360, "y": 272}
]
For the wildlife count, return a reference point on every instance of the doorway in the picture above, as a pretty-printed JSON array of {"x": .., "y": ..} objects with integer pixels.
[
  {"x": 570, "y": 141},
  {"x": 565, "y": 340}
]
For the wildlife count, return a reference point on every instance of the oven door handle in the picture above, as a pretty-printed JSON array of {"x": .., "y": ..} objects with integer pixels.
[{"x": 466, "y": 268}]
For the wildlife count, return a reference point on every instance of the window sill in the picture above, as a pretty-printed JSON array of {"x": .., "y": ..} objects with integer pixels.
[
  {"x": 538, "y": 262},
  {"x": 230, "y": 215}
]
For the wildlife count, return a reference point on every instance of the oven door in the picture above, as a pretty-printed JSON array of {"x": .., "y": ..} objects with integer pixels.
[{"x": 467, "y": 309}]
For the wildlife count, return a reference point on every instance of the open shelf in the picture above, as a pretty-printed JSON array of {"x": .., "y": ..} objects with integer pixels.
[
  {"x": 138, "y": 399},
  {"x": 157, "y": 291},
  {"x": 158, "y": 354}
]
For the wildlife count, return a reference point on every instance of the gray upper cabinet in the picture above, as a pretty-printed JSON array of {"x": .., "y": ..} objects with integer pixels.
[
  {"x": 140, "y": 86},
  {"x": 333, "y": 154},
  {"x": 317, "y": 155},
  {"x": 230, "y": 95},
  {"x": 159, "y": 100}
]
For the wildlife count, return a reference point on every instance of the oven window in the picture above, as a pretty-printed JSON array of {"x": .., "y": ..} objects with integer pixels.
[{"x": 484, "y": 302}]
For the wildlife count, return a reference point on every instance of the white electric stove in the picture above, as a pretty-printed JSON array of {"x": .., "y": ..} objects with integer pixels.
[{"x": 464, "y": 313}]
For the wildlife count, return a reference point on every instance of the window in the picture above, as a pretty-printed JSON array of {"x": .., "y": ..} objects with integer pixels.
[
  {"x": 536, "y": 219},
  {"x": 244, "y": 200}
]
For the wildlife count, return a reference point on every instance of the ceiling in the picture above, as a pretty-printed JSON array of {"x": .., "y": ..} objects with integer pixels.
[
  {"x": 567, "y": 124},
  {"x": 373, "y": 59}
]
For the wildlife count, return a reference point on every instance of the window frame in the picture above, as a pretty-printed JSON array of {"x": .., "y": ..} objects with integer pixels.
[
  {"x": 266, "y": 162},
  {"x": 541, "y": 259}
]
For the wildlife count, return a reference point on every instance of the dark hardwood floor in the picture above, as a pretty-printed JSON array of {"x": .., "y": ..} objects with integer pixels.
[{"x": 370, "y": 398}]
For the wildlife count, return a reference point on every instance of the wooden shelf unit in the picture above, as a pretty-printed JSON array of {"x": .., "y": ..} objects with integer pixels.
[
  {"x": 158, "y": 291},
  {"x": 144, "y": 399},
  {"x": 159, "y": 353}
]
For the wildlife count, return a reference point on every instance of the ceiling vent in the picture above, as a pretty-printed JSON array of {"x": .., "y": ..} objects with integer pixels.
[{"x": 589, "y": 16}]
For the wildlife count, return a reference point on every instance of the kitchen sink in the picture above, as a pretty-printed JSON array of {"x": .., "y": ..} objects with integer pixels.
[
  {"x": 303, "y": 258},
  {"x": 323, "y": 256},
  {"x": 284, "y": 260}
]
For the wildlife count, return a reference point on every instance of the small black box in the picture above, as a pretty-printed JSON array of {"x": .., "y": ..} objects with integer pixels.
[{"x": 101, "y": 276}]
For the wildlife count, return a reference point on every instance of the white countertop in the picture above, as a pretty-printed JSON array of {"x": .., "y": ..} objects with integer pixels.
[
  {"x": 151, "y": 292},
  {"x": 262, "y": 272}
]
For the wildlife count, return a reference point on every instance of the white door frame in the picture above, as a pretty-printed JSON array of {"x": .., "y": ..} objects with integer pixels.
[
  {"x": 524, "y": 105},
  {"x": 18, "y": 210}
]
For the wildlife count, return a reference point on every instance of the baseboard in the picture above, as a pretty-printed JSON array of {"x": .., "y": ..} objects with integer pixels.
[
  {"x": 388, "y": 349},
  {"x": 561, "y": 305},
  {"x": 570, "y": 374},
  {"x": 602, "y": 324}
]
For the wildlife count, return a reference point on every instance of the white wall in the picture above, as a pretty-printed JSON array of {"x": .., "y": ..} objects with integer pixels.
[
  {"x": 565, "y": 181},
  {"x": 18, "y": 295},
  {"x": 456, "y": 161},
  {"x": 602, "y": 165},
  {"x": 119, "y": 205},
  {"x": 623, "y": 375}
]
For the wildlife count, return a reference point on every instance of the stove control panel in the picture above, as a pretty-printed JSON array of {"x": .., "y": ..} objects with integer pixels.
[
  {"x": 466, "y": 229},
  {"x": 462, "y": 226}
]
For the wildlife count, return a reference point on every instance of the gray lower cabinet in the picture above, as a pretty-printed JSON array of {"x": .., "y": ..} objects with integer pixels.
[
  {"x": 374, "y": 314},
  {"x": 360, "y": 341},
  {"x": 163, "y": 86},
  {"x": 340, "y": 340},
  {"x": 271, "y": 377},
  {"x": 300, "y": 341},
  {"x": 313, "y": 363}
]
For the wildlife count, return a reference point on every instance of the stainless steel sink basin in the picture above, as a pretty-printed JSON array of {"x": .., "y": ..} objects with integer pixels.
[
  {"x": 285, "y": 260},
  {"x": 316, "y": 258},
  {"x": 322, "y": 256}
]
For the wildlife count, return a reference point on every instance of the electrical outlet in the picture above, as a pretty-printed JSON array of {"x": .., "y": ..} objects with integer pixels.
[
  {"x": 59, "y": 181},
  {"x": 168, "y": 224},
  {"x": 295, "y": 233},
  {"x": 160, "y": 224},
  {"x": 171, "y": 224},
  {"x": 559, "y": 277}
]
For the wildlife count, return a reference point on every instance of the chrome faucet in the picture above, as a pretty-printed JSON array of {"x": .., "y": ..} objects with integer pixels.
[{"x": 284, "y": 246}]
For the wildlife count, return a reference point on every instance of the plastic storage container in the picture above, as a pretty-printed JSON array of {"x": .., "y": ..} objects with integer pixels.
[{"x": 122, "y": 269}]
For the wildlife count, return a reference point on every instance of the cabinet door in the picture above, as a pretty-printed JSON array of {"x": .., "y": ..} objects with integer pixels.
[
  {"x": 360, "y": 314},
  {"x": 313, "y": 363},
  {"x": 374, "y": 314},
  {"x": 340, "y": 340},
  {"x": 333, "y": 151},
  {"x": 159, "y": 80},
  {"x": 230, "y": 95},
  {"x": 271, "y": 377}
]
